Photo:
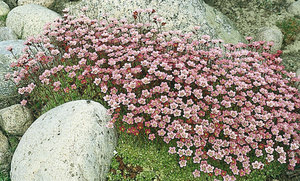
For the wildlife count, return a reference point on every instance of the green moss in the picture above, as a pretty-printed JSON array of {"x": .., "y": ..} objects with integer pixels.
[
  {"x": 291, "y": 61},
  {"x": 4, "y": 176},
  {"x": 158, "y": 164},
  {"x": 3, "y": 18},
  {"x": 290, "y": 28}
]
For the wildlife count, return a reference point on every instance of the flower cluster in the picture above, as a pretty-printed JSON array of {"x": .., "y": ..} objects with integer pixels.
[{"x": 220, "y": 103}]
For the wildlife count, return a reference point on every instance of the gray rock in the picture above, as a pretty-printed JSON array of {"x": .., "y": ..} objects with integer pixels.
[
  {"x": 4, "y": 152},
  {"x": 29, "y": 20},
  {"x": 294, "y": 8},
  {"x": 4, "y": 9},
  {"x": 45, "y": 3},
  {"x": 298, "y": 75},
  {"x": 15, "y": 119},
  {"x": 184, "y": 15},
  {"x": 11, "y": 3},
  {"x": 58, "y": 6},
  {"x": 69, "y": 142},
  {"x": 7, "y": 34},
  {"x": 18, "y": 46},
  {"x": 271, "y": 34},
  {"x": 8, "y": 93}
]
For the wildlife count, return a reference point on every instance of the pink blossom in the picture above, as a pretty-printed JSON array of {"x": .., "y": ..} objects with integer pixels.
[
  {"x": 23, "y": 102},
  {"x": 196, "y": 173}
]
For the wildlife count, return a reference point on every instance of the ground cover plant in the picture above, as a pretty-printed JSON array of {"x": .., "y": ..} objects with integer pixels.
[
  {"x": 290, "y": 28},
  {"x": 230, "y": 111}
]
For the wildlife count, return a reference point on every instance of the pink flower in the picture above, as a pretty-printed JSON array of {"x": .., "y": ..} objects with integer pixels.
[
  {"x": 196, "y": 173},
  {"x": 248, "y": 38},
  {"x": 7, "y": 76},
  {"x": 182, "y": 163},
  {"x": 151, "y": 137},
  {"x": 9, "y": 48},
  {"x": 23, "y": 102},
  {"x": 56, "y": 84},
  {"x": 55, "y": 52}
]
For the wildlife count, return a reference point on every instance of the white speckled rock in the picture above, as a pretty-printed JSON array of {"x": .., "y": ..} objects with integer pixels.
[
  {"x": 46, "y": 3},
  {"x": 180, "y": 15},
  {"x": 3, "y": 152},
  {"x": 294, "y": 8},
  {"x": 69, "y": 142},
  {"x": 4, "y": 9},
  {"x": 30, "y": 19},
  {"x": 271, "y": 34},
  {"x": 15, "y": 119},
  {"x": 7, "y": 34}
]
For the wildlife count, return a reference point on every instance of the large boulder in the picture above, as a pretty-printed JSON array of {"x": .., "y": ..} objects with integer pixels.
[
  {"x": 46, "y": 3},
  {"x": 8, "y": 93},
  {"x": 16, "y": 119},
  {"x": 180, "y": 15},
  {"x": 7, "y": 34},
  {"x": 30, "y": 19},
  {"x": 11, "y": 3},
  {"x": 4, "y": 9},
  {"x": 269, "y": 34},
  {"x": 69, "y": 142},
  {"x": 294, "y": 8},
  {"x": 4, "y": 152}
]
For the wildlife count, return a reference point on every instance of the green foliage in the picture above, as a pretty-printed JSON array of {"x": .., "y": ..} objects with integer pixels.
[
  {"x": 290, "y": 28},
  {"x": 4, "y": 176},
  {"x": 158, "y": 164},
  {"x": 153, "y": 157},
  {"x": 13, "y": 142},
  {"x": 3, "y": 18}
]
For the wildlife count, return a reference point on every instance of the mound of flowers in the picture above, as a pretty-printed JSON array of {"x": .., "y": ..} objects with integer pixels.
[{"x": 226, "y": 104}]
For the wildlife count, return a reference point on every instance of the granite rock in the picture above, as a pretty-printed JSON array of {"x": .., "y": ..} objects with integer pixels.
[
  {"x": 69, "y": 142},
  {"x": 7, "y": 34},
  {"x": 15, "y": 120},
  {"x": 4, "y": 152},
  {"x": 4, "y": 9},
  {"x": 294, "y": 8},
  {"x": 269, "y": 34},
  {"x": 184, "y": 15},
  {"x": 45, "y": 3},
  {"x": 8, "y": 93},
  {"x": 29, "y": 20},
  {"x": 11, "y": 3}
]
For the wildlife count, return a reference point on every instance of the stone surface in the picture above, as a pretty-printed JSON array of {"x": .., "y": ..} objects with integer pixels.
[
  {"x": 11, "y": 3},
  {"x": 294, "y": 8},
  {"x": 298, "y": 75},
  {"x": 59, "y": 5},
  {"x": 46, "y": 3},
  {"x": 183, "y": 15},
  {"x": 7, "y": 34},
  {"x": 4, "y": 9},
  {"x": 69, "y": 142},
  {"x": 271, "y": 34},
  {"x": 29, "y": 20},
  {"x": 4, "y": 152},
  {"x": 249, "y": 15},
  {"x": 15, "y": 119},
  {"x": 8, "y": 93}
]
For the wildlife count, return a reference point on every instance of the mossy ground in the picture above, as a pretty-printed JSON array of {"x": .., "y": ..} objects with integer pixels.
[{"x": 158, "y": 165}]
